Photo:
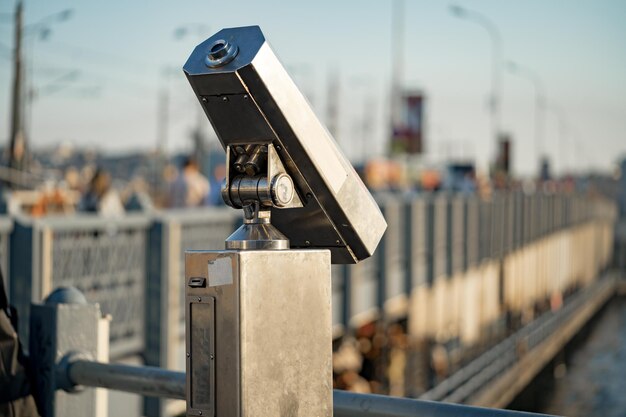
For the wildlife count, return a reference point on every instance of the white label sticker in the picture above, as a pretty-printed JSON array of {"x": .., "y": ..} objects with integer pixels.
[{"x": 220, "y": 272}]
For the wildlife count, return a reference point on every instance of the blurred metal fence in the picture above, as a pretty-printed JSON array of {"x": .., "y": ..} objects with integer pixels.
[
  {"x": 136, "y": 261},
  {"x": 104, "y": 258},
  {"x": 432, "y": 236},
  {"x": 133, "y": 266}
]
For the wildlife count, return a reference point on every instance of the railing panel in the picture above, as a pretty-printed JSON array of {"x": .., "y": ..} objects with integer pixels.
[{"x": 106, "y": 260}]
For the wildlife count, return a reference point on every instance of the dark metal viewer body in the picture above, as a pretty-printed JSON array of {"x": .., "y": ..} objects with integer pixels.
[{"x": 250, "y": 99}]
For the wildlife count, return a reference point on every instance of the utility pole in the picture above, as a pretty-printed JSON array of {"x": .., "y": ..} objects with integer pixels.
[
  {"x": 17, "y": 148},
  {"x": 540, "y": 103},
  {"x": 366, "y": 133},
  {"x": 397, "y": 62},
  {"x": 162, "y": 121},
  {"x": 201, "y": 150},
  {"x": 332, "y": 104},
  {"x": 496, "y": 62},
  {"x": 162, "y": 130}
]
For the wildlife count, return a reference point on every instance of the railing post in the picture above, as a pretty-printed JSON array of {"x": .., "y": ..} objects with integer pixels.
[
  {"x": 22, "y": 276},
  {"x": 338, "y": 280},
  {"x": 392, "y": 295},
  {"x": 381, "y": 266},
  {"x": 6, "y": 226},
  {"x": 67, "y": 326},
  {"x": 163, "y": 297},
  {"x": 430, "y": 239},
  {"x": 471, "y": 248}
]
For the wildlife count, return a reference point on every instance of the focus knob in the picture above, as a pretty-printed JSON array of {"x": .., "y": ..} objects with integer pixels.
[{"x": 282, "y": 190}]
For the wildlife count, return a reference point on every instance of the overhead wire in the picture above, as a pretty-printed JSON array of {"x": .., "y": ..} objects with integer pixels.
[{"x": 123, "y": 79}]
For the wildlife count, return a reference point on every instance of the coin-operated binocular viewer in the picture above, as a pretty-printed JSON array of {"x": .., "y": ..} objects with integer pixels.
[{"x": 258, "y": 314}]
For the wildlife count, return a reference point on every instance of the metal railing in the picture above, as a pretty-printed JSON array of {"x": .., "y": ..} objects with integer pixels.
[
  {"x": 431, "y": 236},
  {"x": 104, "y": 258},
  {"x": 66, "y": 350},
  {"x": 475, "y": 376},
  {"x": 158, "y": 382},
  {"x": 133, "y": 265},
  {"x": 121, "y": 262}
]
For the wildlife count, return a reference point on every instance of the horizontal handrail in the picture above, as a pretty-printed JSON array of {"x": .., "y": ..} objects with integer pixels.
[
  {"x": 350, "y": 404},
  {"x": 144, "y": 380},
  {"x": 151, "y": 381},
  {"x": 190, "y": 216},
  {"x": 81, "y": 222}
]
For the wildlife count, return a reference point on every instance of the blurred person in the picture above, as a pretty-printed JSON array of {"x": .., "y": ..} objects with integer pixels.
[
  {"x": 52, "y": 200},
  {"x": 100, "y": 197},
  {"x": 190, "y": 187},
  {"x": 16, "y": 378},
  {"x": 214, "y": 196},
  {"x": 440, "y": 363},
  {"x": 137, "y": 197},
  {"x": 347, "y": 356},
  {"x": 467, "y": 185},
  {"x": 354, "y": 382},
  {"x": 71, "y": 177},
  {"x": 396, "y": 368}
]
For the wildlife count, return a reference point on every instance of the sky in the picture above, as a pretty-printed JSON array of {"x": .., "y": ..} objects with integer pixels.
[{"x": 123, "y": 55}]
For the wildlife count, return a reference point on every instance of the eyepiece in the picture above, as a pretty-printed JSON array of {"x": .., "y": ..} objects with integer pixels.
[{"x": 221, "y": 52}]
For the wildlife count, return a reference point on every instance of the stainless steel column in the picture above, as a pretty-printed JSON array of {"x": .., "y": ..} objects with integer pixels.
[{"x": 259, "y": 339}]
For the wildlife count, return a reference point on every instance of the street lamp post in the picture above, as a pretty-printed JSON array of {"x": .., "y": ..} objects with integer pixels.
[
  {"x": 496, "y": 56},
  {"x": 540, "y": 100},
  {"x": 561, "y": 145},
  {"x": 397, "y": 61},
  {"x": 18, "y": 147}
]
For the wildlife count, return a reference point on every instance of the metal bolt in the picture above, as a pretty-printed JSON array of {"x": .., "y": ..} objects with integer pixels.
[
  {"x": 200, "y": 412},
  {"x": 309, "y": 196},
  {"x": 306, "y": 242},
  {"x": 224, "y": 98},
  {"x": 188, "y": 355},
  {"x": 199, "y": 298},
  {"x": 278, "y": 148},
  {"x": 337, "y": 242},
  {"x": 212, "y": 357},
  {"x": 245, "y": 96},
  {"x": 204, "y": 99}
]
